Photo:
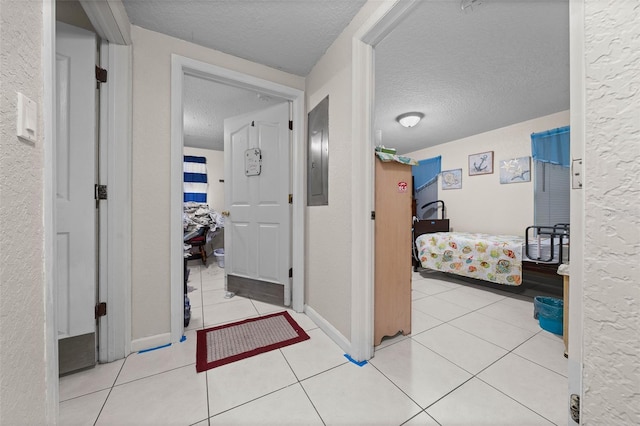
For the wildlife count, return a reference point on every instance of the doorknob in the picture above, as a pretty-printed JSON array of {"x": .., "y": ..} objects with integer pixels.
[{"x": 225, "y": 213}]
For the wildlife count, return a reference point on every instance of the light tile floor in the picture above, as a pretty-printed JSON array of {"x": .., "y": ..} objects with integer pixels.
[{"x": 476, "y": 357}]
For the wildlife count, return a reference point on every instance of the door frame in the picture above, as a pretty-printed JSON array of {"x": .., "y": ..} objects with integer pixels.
[
  {"x": 115, "y": 330},
  {"x": 380, "y": 24},
  {"x": 49, "y": 210},
  {"x": 374, "y": 30},
  {"x": 577, "y": 208},
  {"x": 181, "y": 66}
]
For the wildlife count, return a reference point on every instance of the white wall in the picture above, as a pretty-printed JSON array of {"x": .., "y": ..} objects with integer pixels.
[
  {"x": 484, "y": 204},
  {"x": 611, "y": 286},
  {"x": 611, "y": 322},
  {"x": 215, "y": 173},
  {"x": 151, "y": 168},
  {"x": 328, "y": 237},
  {"x": 22, "y": 330}
]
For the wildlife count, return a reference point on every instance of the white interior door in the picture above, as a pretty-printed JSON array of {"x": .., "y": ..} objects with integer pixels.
[
  {"x": 257, "y": 228},
  {"x": 75, "y": 204}
]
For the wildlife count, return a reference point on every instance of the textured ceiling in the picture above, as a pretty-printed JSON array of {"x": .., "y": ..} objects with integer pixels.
[
  {"x": 471, "y": 71},
  {"x": 206, "y": 104},
  {"x": 489, "y": 66},
  {"x": 290, "y": 35}
]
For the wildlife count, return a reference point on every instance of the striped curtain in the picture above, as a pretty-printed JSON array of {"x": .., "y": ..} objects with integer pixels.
[{"x": 195, "y": 179}]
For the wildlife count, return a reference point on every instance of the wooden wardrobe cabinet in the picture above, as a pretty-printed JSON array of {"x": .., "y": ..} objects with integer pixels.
[{"x": 393, "y": 220}]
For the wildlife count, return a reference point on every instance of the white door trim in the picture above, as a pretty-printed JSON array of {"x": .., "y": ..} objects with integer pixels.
[
  {"x": 180, "y": 66},
  {"x": 384, "y": 19},
  {"x": 119, "y": 271},
  {"x": 49, "y": 210},
  {"x": 576, "y": 268},
  {"x": 114, "y": 329},
  {"x": 110, "y": 20}
]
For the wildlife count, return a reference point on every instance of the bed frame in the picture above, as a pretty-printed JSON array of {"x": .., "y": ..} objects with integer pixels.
[
  {"x": 427, "y": 226},
  {"x": 546, "y": 267},
  {"x": 539, "y": 271}
]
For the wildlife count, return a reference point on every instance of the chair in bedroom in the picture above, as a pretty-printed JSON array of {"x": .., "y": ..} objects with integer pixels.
[{"x": 198, "y": 243}]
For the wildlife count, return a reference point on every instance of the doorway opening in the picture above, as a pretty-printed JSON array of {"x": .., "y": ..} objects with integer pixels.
[
  {"x": 184, "y": 68},
  {"x": 385, "y": 19}
]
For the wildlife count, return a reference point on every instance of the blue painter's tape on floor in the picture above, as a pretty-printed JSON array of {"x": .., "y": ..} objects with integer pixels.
[
  {"x": 153, "y": 349},
  {"x": 358, "y": 363},
  {"x": 183, "y": 338}
]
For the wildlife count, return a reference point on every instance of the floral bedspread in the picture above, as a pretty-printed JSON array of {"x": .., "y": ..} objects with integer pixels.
[{"x": 495, "y": 258}]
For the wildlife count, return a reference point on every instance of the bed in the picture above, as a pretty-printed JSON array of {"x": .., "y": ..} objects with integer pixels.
[
  {"x": 500, "y": 259},
  {"x": 494, "y": 258}
]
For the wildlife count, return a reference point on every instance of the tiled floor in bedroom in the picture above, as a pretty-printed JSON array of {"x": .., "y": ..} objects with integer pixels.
[{"x": 475, "y": 357}]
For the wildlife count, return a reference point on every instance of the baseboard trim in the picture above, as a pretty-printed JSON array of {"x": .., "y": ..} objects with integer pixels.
[
  {"x": 329, "y": 329},
  {"x": 150, "y": 342}
]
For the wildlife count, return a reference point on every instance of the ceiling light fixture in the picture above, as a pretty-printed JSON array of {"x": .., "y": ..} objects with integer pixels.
[{"x": 409, "y": 119}]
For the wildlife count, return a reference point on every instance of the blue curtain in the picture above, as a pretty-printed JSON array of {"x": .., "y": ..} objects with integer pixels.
[
  {"x": 552, "y": 146},
  {"x": 425, "y": 172}
]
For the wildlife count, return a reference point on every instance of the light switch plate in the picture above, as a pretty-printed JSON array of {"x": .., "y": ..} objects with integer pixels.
[{"x": 27, "y": 122}]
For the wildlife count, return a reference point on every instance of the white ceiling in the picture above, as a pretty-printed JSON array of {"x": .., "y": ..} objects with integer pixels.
[
  {"x": 288, "y": 35},
  {"x": 471, "y": 71},
  {"x": 489, "y": 66},
  {"x": 207, "y": 103}
]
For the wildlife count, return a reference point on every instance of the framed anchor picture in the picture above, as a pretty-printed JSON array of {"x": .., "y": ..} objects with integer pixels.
[{"x": 481, "y": 164}]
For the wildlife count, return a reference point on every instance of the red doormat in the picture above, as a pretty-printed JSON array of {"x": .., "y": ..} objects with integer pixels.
[{"x": 232, "y": 342}]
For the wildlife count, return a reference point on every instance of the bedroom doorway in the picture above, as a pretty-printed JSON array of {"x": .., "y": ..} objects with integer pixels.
[
  {"x": 182, "y": 68},
  {"x": 387, "y": 18}
]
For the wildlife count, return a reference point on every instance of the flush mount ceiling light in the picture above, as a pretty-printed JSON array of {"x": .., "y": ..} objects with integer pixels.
[{"x": 409, "y": 119}]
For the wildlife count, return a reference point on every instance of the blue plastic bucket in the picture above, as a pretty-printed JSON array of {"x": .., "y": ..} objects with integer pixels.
[{"x": 549, "y": 312}]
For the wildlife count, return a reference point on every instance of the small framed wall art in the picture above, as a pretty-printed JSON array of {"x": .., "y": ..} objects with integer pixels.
[
  {"x": 481, "y": 164},
  {"x": 451, "y": 179},
  {"x": 515, "y": 170}
]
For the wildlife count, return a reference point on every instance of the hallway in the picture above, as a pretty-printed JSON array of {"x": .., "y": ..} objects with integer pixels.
[{"x": 476, "y": 357}]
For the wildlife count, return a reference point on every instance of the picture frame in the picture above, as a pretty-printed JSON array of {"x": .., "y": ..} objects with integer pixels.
[
  {"x": 451, "y": 179},
  {"x": 515, "y": 170},
  {"x": 481, "y": 163}
]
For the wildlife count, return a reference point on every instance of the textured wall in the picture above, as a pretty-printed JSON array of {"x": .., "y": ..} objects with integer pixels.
[
  {"x": 328, "y": 238},
  {"x": 151, "y": 168},
  {"x": 22, "y": 360},
  {"x": 611, "y": 363},
  {"x": 484, "y": 204}
]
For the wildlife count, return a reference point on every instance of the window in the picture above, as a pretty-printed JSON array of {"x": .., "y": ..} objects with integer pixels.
[
  {"x": 551, "y": 194},
  {"x": 425, "y": 185},
  {"x": 550, "y": 151}
]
